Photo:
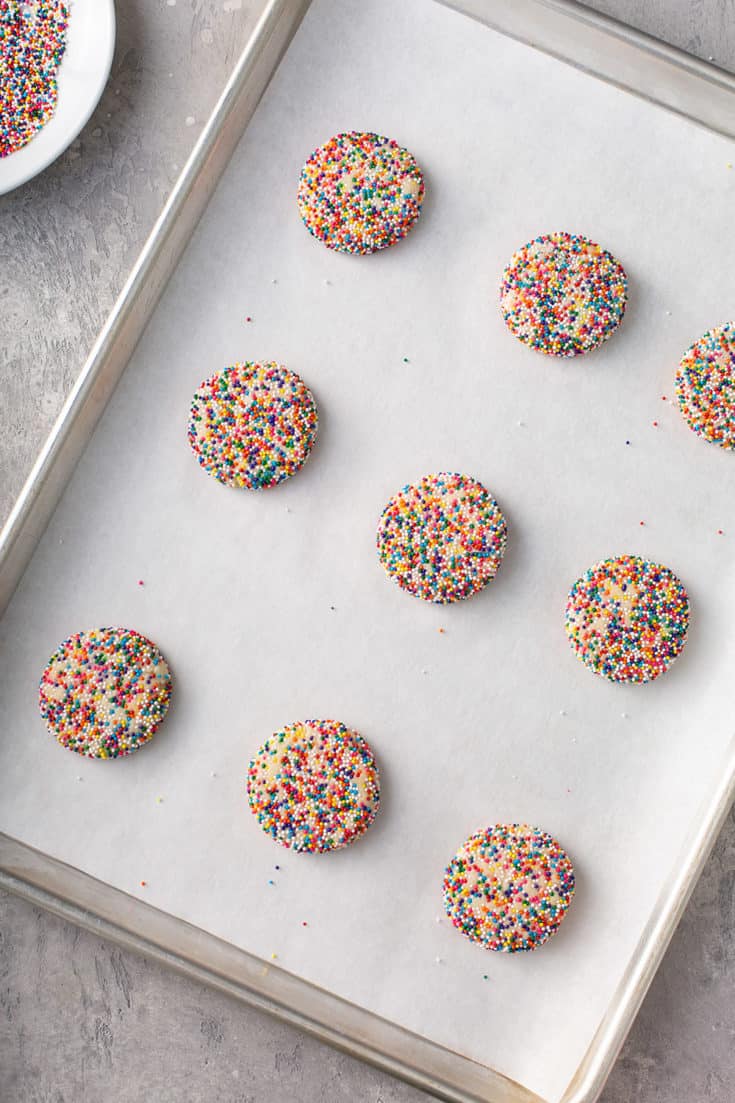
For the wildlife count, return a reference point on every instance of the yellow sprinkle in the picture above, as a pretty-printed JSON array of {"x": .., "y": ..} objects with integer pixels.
[{"x": 273, "y": 957}]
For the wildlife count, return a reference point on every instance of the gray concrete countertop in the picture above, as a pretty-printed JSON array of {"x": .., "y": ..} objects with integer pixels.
[{"x": 81, "y": 1021}]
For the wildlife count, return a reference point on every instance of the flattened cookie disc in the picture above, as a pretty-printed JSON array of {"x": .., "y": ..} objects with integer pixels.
[
  {"x": 563, "y": 294},
  {"x": 705, "y": 386},
  {"x": 509, "y": 887},
  {"x": 314, "y": 786},
  {"x": 442, "y": 538},
  {"x": 627, "y": 618},
  {"x": 253, "y": 425},
  {"x": 360, "y": 192},
  {"x": 104, "y": 693}
]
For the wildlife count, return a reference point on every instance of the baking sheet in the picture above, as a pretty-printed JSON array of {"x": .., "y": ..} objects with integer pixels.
[{"x": 272, "y": 607}]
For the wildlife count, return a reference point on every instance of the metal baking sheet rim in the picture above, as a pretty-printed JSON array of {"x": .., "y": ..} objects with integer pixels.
[{"x": 605, "y": 49}]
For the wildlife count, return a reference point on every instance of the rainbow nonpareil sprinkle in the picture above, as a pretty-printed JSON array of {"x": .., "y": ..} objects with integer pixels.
[
  {"x": 32, "y": 45},
  {"x": 563, "y": 294},
  {"x": 442, "y": 538},
  {"x": 104, "y": 693},
  {"x": 705, "y": 386},
  {"x": 508, "y": 887},
  {"x": 360, "y": 192},
  {"x": 253, "y": 425},
  {"x": 627, "y": 618},
  {"x": 314, "y": 786}
]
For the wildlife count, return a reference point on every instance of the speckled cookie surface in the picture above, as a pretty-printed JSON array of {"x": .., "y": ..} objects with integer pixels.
[
  {"x": 627, "y": 618},
  {"x": 252, "y": 425},
  {"x": 104, "y": 692},
  {"x": 442, "y": 538},
  {"x": 563, "y": 294},
  {"x": 508, "y": 887},
  {"x": 360, "y": 192},
  {"x": 705, "y": 386},
  {"x": 314, "y": 786}
]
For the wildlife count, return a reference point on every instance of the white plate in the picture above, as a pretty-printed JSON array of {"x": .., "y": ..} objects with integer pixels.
[{"x": 82, "y": 77}]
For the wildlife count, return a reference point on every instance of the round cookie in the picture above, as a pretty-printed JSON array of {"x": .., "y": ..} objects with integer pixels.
[
  {"x": 360, "y": 192},
  {"x": 442, "y": 538},
  {"x": 314, "y": 786},
  {"x": 705, "y": 386},
  {"x": 563, "y": 294},
  {"x": 509, "y": 887},
  {"x": 627, "y": 618},
  {"x": 104, "y": 692},
  {"x": 252, "y": 425}
]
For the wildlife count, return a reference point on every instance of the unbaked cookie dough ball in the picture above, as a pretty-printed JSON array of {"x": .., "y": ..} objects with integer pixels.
[
  {"x": 508, "y": 887},
  {"x": 705, "y": 386},
  {"x": 104, "y": 692},
  {"x": 314, "y": 786},
  {"x": 442, "y": 538},
  {"x": 627, "y": 618},
  {"x": 252, "y": 425},
  {"x": 360, "y": 192},
  {"x": 563, "y": 294}
]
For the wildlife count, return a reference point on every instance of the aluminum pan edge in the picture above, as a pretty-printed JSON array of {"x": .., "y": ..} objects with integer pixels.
[
  {"x": 604, "y": 1048},
  {"x": 142, "y": 290},
  {"x": 620, "y": 55},
  {"x": 132, "y": 923}
]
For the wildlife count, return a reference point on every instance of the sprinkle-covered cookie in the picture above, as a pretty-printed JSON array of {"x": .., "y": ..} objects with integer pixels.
[
  {"x": 705, "y": 386},
  {"x": 360, "y": 192},
  {"x": 509, "y": 887},
  {"x": 627, "y": 618},
  {"x": 253, "y": 425},
  {"x": 442, "y": 538},
  {"x": 563, "y": 294},
  {"x": 32, "y": 45},
  {"x": 314, "y": 786},
  {"x": 104, "y": 692}
]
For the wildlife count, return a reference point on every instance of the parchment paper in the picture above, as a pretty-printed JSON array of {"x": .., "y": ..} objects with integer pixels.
[{"x": 273, "y": 607}]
